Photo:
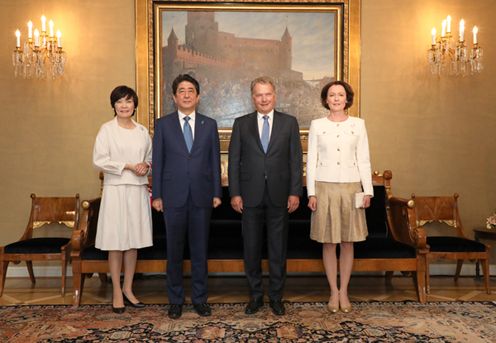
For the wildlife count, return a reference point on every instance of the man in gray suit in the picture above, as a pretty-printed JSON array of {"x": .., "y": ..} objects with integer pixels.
[{"x": 265, "y": 183}]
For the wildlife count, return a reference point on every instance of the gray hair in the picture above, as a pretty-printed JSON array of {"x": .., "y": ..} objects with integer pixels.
[{"x": 263, "y": 80}]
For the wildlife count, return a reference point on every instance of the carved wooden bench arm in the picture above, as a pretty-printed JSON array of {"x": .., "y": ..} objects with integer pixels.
[
  {"x": 403, "y": 224},
  {"x": 84, "y": 234}
]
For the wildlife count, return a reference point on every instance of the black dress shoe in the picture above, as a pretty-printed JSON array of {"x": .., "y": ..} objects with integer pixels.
[
  {"x": 139, "y": 304},
  {"x": 118, "y": 310},
  {"x": 277, "y": 307},
  {"x": 253, "y": 306},
  {"x": 203, "y": 309},
  {"x": 175, "y": 311}
]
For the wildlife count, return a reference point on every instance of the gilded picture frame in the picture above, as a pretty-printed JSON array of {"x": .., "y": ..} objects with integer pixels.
[{"x": 157, "y": 39}]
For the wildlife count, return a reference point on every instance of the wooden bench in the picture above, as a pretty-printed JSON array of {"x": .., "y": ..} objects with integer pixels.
[{"x": 393, "y": 244}]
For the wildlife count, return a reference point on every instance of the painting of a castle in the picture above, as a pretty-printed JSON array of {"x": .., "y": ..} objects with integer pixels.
[{"x": 225, "y": 61}]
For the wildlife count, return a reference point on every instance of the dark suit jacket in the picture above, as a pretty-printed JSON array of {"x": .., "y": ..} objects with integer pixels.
[
  {"x": 249, "y": 166},
  {"x": 176, "y": 171}
]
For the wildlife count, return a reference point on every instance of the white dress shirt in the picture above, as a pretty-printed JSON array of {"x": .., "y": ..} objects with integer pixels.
[
  {"x": 338, "y": 152},
  {"x": 260, "y": 122},
  {"x": 191, "y": 121}
]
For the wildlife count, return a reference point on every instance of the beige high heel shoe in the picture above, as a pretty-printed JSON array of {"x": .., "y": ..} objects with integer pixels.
[
  {"x": 332, "y": 308},
  {"x": 345, "y": 309}
]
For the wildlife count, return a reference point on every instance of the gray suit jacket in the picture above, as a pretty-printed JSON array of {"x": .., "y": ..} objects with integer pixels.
[{"x": 249, "y": 167}]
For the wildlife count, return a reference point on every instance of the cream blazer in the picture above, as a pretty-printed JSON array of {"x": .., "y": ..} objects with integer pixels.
[
  {"x": 338, "y": 152},
  {"x": 115, "y": 146}
]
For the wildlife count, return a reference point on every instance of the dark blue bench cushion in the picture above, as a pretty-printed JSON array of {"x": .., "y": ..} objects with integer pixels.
[
  {"x": 458, "y": 244},
  {"x": 376, "y": 214},
  {"x": 383, "y": 248},
  {"x": 226, "y": 240},
  {"x": 45, "y": 245}
]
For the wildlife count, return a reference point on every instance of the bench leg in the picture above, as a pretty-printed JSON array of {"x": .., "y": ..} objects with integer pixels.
[
  {"x": 427, "y": 277},
  {"x": 65, "y": 259},
  {"x": 485, "y": 268},
  {"x": 29, "y": 264},
  {"x": 103, "y": 277},
  {"x": 389, "y": 278},
  {"x": 459, "y": 264},
  {"x": 419, "y": 284},
  {"x": 3, "y": 275},
  {"x": 77, "y": 283},
  {"x": 420, "y": 277}
]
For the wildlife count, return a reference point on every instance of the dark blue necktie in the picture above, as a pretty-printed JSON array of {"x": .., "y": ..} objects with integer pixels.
[
  {"x": 188, "y": 134},
  {"x": 265, "y": 133}
]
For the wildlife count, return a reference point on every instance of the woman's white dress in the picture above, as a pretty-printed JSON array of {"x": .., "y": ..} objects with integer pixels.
[{"x": 124, "y": 221}]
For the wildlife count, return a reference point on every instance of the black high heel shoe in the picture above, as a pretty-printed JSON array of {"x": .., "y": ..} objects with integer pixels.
[
  {"x": 118, "y": 310},
  {"x": 139, "y": 304}
]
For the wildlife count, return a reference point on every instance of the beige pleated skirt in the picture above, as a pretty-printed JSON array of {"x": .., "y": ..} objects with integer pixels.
[{"x": 336, "y": 219}]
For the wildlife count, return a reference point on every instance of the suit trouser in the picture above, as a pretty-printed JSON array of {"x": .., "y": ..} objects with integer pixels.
[
  {"x": 193, "y": 222},
  {"x": 276, "y": 219}
]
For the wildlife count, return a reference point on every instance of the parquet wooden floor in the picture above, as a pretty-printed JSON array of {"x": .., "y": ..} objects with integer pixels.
[{"x": 226, "y": 289}]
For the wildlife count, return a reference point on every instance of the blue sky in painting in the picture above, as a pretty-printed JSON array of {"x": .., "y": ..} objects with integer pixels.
[{"x": 312, "y": 32}]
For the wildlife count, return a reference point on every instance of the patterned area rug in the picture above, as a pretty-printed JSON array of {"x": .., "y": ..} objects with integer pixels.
[{"x": 304, "y": 322}]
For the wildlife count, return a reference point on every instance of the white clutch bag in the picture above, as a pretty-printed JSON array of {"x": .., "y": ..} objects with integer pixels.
[{"x": 359, "y": 199}]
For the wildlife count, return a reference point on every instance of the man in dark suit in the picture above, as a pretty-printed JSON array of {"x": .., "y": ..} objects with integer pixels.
[
  {"x": 265, "y": 183},
  {"x": 186, "y": 185}
]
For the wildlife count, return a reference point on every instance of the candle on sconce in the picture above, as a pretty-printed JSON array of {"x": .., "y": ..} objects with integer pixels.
[
  {"x": 474, "y": 31},
  {"x": 59, "y": 39},
  {"x": 18, "y": 38},
  {"x": 50, "y": 27},
  {"x": 462, "y": 30},
  {"x": 449, "y": 53},
  {"x": 30, "y": 30},
  {"x": 38, "y": 49},
  {"x": 36, "y": 37},
  {"x": 43, "y": 23}
]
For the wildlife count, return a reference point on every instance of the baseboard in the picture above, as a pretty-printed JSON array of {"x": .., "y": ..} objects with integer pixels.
[
  {"x": 468, "y": 269},
  {"x": 40, "y": 271}
]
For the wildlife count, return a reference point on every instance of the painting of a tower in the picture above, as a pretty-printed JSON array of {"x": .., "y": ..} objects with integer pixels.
[{"x": 225, "y": 61}]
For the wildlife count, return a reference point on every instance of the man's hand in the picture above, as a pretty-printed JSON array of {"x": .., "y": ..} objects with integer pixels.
[
  {"x": 158, "y": 205},
  {"x": 293, "y": 203},
  {"x": 216, "y": 202},
  {"x": 312, "y": 203},
  {"x": 237, "y": 203}
]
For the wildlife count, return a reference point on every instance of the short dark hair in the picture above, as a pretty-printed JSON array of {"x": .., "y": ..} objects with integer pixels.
[
  {"x": 120, "y": 92},
  {"x": 185, "y": 77},
  {"x": 349, "y": 93}
]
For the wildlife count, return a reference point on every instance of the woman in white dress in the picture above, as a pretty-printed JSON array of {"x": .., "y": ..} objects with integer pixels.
[
  {"x": 338, "y": 167},
  {"x": 123, "y": 152}
]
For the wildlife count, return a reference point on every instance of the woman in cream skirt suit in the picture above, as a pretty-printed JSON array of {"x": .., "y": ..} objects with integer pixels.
[
  {"x": 123, "y": 151},
  {"x": 338, "y": 167}
]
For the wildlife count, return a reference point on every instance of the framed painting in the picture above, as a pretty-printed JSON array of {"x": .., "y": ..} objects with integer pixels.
[{"x": 225, "y": 44}]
